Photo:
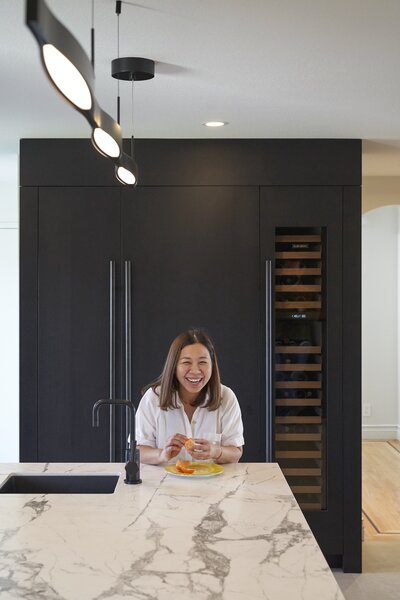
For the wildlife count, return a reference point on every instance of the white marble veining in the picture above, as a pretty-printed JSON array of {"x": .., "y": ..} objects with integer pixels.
[{"x": 238, "y": 536}]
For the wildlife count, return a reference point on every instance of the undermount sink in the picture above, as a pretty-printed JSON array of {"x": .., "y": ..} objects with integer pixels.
[{"x": 50, "y": 483}]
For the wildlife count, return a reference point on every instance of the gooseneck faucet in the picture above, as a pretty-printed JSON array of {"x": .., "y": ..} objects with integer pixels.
[{"x": 132, "y": 466}]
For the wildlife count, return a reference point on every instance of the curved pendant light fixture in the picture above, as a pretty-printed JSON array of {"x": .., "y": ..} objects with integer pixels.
[
  {"x": 130, "y": 69},
  {"x": 65, "y": 61},
  {"x": 71, "y": 72}
]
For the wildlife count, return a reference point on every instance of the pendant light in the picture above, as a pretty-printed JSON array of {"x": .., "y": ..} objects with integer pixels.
[
  {"x": 64, "y": 60},
  {"x": 71, "y": 72},
  {"x": 126, "y": 170},
  {"x": 130, "y": 69}
]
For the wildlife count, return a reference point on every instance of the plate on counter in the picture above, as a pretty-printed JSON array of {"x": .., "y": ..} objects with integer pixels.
[{"x": 201, "y": 469}]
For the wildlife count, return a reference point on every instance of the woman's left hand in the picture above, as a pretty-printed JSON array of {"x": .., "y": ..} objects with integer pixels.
[{"x": 204, "y": 450}]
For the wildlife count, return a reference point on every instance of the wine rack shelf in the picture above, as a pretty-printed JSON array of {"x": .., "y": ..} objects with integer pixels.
[
  {"x": 298, "y": 238},
  {"x": 297, "y": 288},
  {"x": 298, "y": 419},
  {"x": 292, "y": 255},
  {"x": 298, "y": 304},
  {"x": 295, "y": 367},
  {"x": 298, "y": 454},
  {"x": 298, "y": 384},
  {"x": 306, "y": 489},
  {"x": 298, "y": 472},
  {"x": 298, "y": 437},
  {"x": 298, "y": 349},
  {"x": 297, "y": 401},
  {"x": 299, "y": 440},
  {"x": 298, "y": 271}
]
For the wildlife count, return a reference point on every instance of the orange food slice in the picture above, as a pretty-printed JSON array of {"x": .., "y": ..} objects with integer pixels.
[
  {"x": 189, "y": 444},
  {"x": 182, "y": 467},
  {"x": 183, "y": 463}
]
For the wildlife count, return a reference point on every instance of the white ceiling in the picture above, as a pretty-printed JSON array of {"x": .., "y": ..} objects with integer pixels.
[{"x": 271, "y": 68}]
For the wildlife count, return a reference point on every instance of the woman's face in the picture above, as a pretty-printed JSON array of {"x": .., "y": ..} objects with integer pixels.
[{"x": 193, "y": 370}]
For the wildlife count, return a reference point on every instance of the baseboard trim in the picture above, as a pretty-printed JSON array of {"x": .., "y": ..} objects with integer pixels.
[
  {"x": 380, "y": 432},
  {"x": 9, "y": 225}
]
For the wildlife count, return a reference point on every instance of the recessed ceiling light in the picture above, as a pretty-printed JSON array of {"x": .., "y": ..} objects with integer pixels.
[{"x": 215, "y": 123}]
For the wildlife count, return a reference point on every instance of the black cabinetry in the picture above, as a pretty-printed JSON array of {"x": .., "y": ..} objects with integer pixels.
[
  {"x": 194, "y": 253},
  {"x": 241, "y": 237}
]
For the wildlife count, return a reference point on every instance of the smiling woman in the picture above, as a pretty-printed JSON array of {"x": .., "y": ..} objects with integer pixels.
[{"x": 187, "y": 406}]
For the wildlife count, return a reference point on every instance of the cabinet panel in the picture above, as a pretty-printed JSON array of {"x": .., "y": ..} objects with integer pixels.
[
  {"x": 79, "y": 233},
  {"x": 194, "y": 253},
  {"x": 28, "y": 292},
  {"x": 301, "y": 233}
]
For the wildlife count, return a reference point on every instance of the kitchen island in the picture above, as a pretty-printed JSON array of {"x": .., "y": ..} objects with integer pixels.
[{"x": 236, "y": 536}]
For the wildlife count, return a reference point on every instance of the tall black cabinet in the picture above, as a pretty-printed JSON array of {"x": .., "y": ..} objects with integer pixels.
[{"x": 258, "y": 241}]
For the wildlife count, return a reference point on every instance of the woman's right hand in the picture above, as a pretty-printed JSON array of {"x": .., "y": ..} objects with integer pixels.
[{"x": 173, "y": 446}]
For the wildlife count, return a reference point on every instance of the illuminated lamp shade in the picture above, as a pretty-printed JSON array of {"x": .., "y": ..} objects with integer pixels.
[
  {"x": 107, "y": 135},
  {"x": 126, "y": 170},
  {"x": 65, "y": 61},
  {"x": 66, "y": 77}
]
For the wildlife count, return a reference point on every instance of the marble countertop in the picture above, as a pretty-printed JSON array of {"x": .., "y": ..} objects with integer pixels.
[{"x": 237, "y": 536}]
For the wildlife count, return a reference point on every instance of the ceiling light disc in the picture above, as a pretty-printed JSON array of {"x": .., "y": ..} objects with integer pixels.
[
  {"x": 132, "y": 68},
  {"x": 215, "y": 123}
]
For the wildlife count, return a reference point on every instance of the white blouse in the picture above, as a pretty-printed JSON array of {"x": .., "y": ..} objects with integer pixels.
[{"x": 154, "y": 426}]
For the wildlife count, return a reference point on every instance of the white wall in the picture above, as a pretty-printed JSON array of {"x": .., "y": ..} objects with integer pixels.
[
  {"x": 380, "y": 191},
  {"x": 9, "y": 309},
  {"x": 380, "y": 276}
]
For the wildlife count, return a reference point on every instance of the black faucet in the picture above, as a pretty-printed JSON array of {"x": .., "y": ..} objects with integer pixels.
[{"x": 132, "y": 466}]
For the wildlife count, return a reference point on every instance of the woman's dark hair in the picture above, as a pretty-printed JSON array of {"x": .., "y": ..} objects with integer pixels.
[{"x": 166, "y": 385}]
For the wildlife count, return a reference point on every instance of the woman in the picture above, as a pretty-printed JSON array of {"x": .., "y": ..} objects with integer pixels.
[{"x": 186, "y": 402}]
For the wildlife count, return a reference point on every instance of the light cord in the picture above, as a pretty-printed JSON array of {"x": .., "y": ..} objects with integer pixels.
[
  {"x": 92, "y": 37},
  {"x": 133, "y": 131},
  {"x": 118, "y": 12}
]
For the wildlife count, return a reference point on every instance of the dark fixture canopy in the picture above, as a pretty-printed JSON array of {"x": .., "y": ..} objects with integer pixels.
[{"x": 132, "y": 68}]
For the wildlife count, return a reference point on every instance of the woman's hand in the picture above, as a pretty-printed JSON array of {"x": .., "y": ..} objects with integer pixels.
[
  {"x": 204, "y": 450},
  {"x": 173, "y": 446}
]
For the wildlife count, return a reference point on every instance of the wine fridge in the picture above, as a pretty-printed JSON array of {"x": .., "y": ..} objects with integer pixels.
[{"x": 298, "y": 395}]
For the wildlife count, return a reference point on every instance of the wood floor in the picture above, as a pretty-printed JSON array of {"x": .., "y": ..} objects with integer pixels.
[{"x": 381, "y": 490}]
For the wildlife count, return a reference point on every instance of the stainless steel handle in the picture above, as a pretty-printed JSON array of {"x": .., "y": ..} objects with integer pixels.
[
  {"x": 128, "y": 343},
  {"x": 268, "y": 363},
  {"x": 112, "y": 359}
]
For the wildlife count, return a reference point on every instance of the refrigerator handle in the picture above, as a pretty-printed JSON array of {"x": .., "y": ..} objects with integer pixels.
[
  {"x": 128, "y": 345},
  {"x": 268, "y": 363},
  {"x": 112, "y": 359}
]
